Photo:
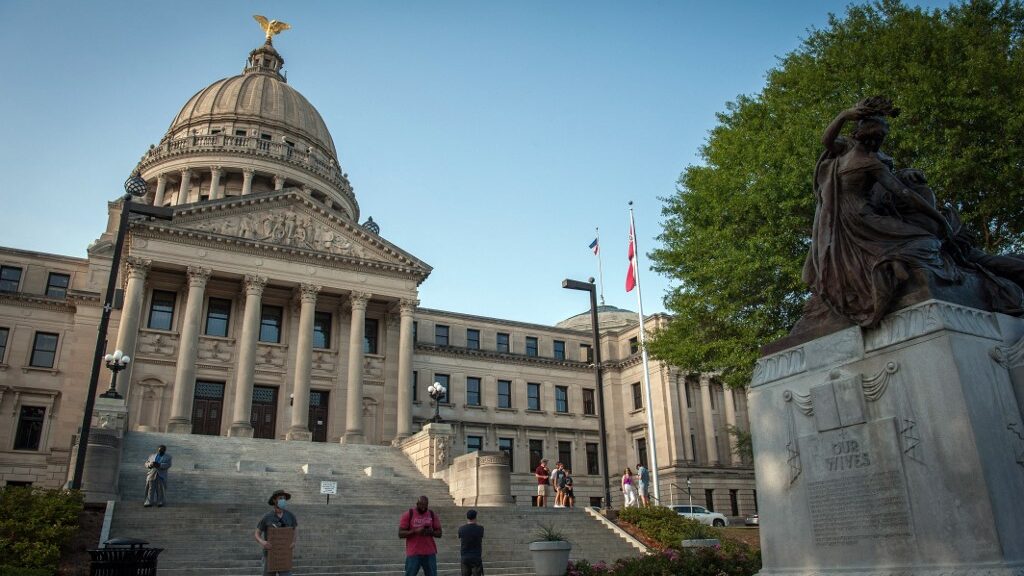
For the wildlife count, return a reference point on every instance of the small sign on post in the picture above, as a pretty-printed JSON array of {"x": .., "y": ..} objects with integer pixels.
[{"x": 328, "y": 487}]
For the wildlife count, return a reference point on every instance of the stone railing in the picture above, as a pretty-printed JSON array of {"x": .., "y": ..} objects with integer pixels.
[
  {"x": 479, "y": 479},
  {"x": 430, "y": 448}
]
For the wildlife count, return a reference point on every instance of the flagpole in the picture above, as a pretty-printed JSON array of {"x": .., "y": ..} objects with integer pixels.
[
  {"x": 600, "y": 272},
  {"x": 643, "y": 354}
]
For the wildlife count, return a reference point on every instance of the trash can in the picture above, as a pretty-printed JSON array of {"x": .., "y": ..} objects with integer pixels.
[{"x": 124, "y": 557}]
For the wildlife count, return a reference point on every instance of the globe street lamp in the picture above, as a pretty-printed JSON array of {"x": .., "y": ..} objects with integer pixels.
[
  {"x": 437, "y": 391},
  {"x": 589, "y": 287},
  {"x": 134, "y": 187},
  {"x": 115, "y": 362}
]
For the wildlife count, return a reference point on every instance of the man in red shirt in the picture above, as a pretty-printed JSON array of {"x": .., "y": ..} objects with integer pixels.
[
  {"x": 542, "y": 473},
  {"x": 419, "y": 527}
]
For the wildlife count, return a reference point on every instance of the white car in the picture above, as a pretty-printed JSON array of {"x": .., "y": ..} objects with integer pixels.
[{"x": 701, "y": 514}]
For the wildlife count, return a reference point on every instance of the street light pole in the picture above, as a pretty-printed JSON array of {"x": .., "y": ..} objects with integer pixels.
[
  {"x": 592, "y": 289},
  {"x": 135, "y": 186}
]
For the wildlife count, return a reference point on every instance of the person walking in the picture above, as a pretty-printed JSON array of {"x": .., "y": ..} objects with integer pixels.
[
  {"x": 156, "y": 476},
  {"x": 643, "y": 479},
  {"x": 279, "y": 517},
  {"x": 542, "y": 473},
  {"x": 471, "y": 536},
  {"x": 419, "y": 526},
  {"x": 628, "y": 489}
]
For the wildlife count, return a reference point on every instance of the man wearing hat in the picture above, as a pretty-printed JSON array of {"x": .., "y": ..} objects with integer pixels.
[
  {"x": 279, "y": 517},
  {"x": 472, "y": 536}
]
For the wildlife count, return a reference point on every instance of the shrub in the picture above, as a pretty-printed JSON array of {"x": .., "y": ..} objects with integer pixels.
[
  {"x": 672, "y": 562},
  {"x": 34, "y": 524},
  {"x": 666, "y": 527},
  {"x": 13, "y": 571}
]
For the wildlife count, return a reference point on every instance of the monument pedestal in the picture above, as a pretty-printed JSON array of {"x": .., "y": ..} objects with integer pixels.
[
  {"x": 898, "y": 449},
  {"x": 102, "y": 466}
]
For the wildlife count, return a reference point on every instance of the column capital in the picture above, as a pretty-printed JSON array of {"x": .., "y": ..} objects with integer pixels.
[
  {"x": 248, "y": 171},
  {"x": 137, "y": 267},
  {"x": 308, "y": 293},
  {"x": 217, "y": 169},
  {"x": 406, "y": 306},
  {"x": 254, "y": 284},
  {"x": 161, "y": 177},
  {"x": 186, "y": 173},
  {"x": 705, "y": 380},
  {"x": 198, "y": 276},
  {"x": 358, "y": 300},
  {"x": 278, "y": 182}
]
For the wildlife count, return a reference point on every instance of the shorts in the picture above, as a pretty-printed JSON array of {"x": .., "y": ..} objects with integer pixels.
[
  {"x": 641, "y": 488},
  {"x": 472, "y": 567},
  {"x": 568, "y": 493},
  {"x": 542, "y": 489}
]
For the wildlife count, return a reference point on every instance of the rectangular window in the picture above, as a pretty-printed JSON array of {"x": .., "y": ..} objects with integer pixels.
[
  {"x": 506, "y": 445},
  {"x": 586, "y": 353},
  {"x": 565, "y": 453},
  {"x": 440, "y": 335},
  {"x": 536, "y": 453},
  {"x": 472, "y": 391},
  {"x": 265, "y": 136},
  {"x": 4, "y": 332},
  {"x": 504, "y": 393},
  {"x": 415, "y": 386},
  {"x": 641, "y": 451},
  {"x": 270, "y": 324},
  {"x": 370, "y": 336},
  {"x": 734, "y": 501},
  {"x": 44, "y": 350},
  {"x": 588, "y": 402},
  {"x": 218, "y": 316},
  {"x": 562, "y": 399},
  {"x": 709, "y": 499},
  {"x": 693, "y": 446},
  {"x": 638, "y": 397},
  {"x": 689, "y": 394},
  {"x": 474, "y": 444},
  {"x": 472, "y": 339},
  {"x": 592, "y": 462},
  {"x": 415, "y": 332},
  {"x": 559, "y": 349},
  {"x": 241, "y": 133},
  {"x": 30, "y": 428},
  {"x": 10, "y": 278},
  {"x": 161, "y": 310},
  {"x": 531, "y": 345},
  {"x": 57, "y": 285},
  {"x": 322, "y": 329},
  {"x": 503, "y": 342},
  {"x": 532, "y": 396},
  {"x": 711, "y": 395},
  {"x": 634, "y": 345},
  {"x": 444, "y": 380}
]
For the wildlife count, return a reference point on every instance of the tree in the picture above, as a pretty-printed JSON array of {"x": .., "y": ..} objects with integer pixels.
[{"x": 736, "y": 231}]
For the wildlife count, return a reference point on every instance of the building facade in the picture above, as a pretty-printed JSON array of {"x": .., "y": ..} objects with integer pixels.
[{"x": 265, "y": 309}]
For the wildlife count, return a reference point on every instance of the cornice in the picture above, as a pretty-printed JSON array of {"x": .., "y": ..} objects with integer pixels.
[
  {"x": 37, "y": 301},
  {"x": 500, "y": 357}
]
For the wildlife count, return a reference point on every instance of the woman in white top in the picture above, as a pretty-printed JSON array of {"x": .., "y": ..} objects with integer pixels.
[{"x": 629, "y": 488}]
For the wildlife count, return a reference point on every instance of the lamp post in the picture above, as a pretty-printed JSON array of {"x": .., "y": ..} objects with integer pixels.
[
  {"x": 437, "y": 391},
  {"x": 590, "y": 287},
  {"x": 134, "y": 187},
  {"x": 115, "y": 362}
]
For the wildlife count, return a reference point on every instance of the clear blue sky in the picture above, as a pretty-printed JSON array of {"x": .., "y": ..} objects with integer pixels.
[{"x": 488, "y": 139}]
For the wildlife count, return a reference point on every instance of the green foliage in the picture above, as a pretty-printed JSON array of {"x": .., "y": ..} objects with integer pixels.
[
  {"x": 34, "y": 524},
  {"x": 672, "y": 562},
  {"x": 743, "y": 443},
  {"x": 666, "y": 527},
  {"x": 737, "y": 230},
  {"x": 15, "y": 571},
  {"x": 548, "y": 533}
]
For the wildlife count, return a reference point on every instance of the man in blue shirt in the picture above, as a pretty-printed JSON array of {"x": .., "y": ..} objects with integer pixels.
[
  {"x": 472, "y": 534},
  {"x": 643, "y": 481}
]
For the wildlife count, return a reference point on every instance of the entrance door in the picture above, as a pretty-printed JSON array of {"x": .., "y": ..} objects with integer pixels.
[
  {"x": 264, "y": 412},
  {"x": 318, "y": 414},
  {"x": 207, "y": 407}
]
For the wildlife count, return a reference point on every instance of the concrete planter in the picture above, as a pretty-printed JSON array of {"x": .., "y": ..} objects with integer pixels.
[{"x": 550, "y": 558}]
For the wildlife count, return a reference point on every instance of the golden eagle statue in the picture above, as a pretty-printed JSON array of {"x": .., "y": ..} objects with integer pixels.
[{"x": 271, "y": 27}]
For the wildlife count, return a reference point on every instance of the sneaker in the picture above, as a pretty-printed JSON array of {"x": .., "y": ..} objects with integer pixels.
[{"x": 559, "y": 506}]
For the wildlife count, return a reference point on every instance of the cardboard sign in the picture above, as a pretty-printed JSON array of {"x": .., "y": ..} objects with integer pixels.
[
  {"x": 279, "y": 557},
  {"x": 328, "y": 487}
]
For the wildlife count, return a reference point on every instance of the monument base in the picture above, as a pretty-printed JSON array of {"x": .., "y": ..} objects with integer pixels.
[
  {"x": 299, "y": 434},
  {"x": 894, "y": 450},
  {"x": 240, "y": 430}
]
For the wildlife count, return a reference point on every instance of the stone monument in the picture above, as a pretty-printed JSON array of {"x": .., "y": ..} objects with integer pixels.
[{"x": 887, "y": 428}]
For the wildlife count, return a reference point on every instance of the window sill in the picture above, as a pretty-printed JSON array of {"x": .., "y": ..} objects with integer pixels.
[
  {"x": 417, "y": 402},
  {"x": 474, "y": 407},
  {"x": 541, "y": 412},
  {"x": 160, "y": 331},
  {"x": 4, "y": 367},
  {"x": 585, "y": 415},
  {"x": 511, "y": 410},
  {"x": 635, "y": 411},
  {"x": 27, "y": 369},
  {"x": 225, "y": 339},
  {"x": 274, "y": 344},
  {"x": 570, "y": 414}
]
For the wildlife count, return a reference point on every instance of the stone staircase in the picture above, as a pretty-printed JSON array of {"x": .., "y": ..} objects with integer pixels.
[{"x": 219, "y": 486}]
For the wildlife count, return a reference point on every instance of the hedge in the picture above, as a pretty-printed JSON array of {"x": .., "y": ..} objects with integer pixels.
[{"x": 34, "y": 524}]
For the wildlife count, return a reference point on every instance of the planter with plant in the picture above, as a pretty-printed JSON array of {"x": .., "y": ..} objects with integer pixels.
[{"x": 550, "y": 551}]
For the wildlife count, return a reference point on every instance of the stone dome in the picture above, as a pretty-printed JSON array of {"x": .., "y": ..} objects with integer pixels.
[
  {"x": 260, "y": 95},
  {"x": 608, "y": 317}
]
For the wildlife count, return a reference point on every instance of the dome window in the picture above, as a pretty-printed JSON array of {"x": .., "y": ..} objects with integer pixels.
[{"x": 242, "y": 133}]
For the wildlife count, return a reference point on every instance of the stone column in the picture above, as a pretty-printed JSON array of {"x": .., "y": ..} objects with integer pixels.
[
  {"x": 730, "y": 421},
  {"x": 709, "y": 424},
  {"x": 278, "y": 182},
  {"x": 405, "y": 349},
  {"x": 161, "y": 187},
  {"x": 128, "y": 326},
  {"x": 186, "y": 183},
  {"x": 247, "y": 175},
  {"x": 299, "y": 429},
  {"x": 246, "y": 370},
  {"x": 215, "y": 190},
  {"x": 354, "y": 407},
  {"x": 185, "y": 375}
]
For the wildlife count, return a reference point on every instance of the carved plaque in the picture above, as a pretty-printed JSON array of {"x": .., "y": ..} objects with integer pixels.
[{"x": 856, "y": 491}]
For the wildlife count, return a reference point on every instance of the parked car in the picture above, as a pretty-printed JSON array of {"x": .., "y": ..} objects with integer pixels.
[
  {"x": 701, "y": 514},
  {"x": 753, "y": 520}
]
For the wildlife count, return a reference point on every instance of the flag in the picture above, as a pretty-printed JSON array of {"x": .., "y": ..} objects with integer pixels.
[
  {"x": 595, "y": 247},
  {"x": 631, "y": 274}
]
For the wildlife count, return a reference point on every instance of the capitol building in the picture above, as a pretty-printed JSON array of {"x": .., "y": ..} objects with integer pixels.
[{"x": 269, "y": 307}]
